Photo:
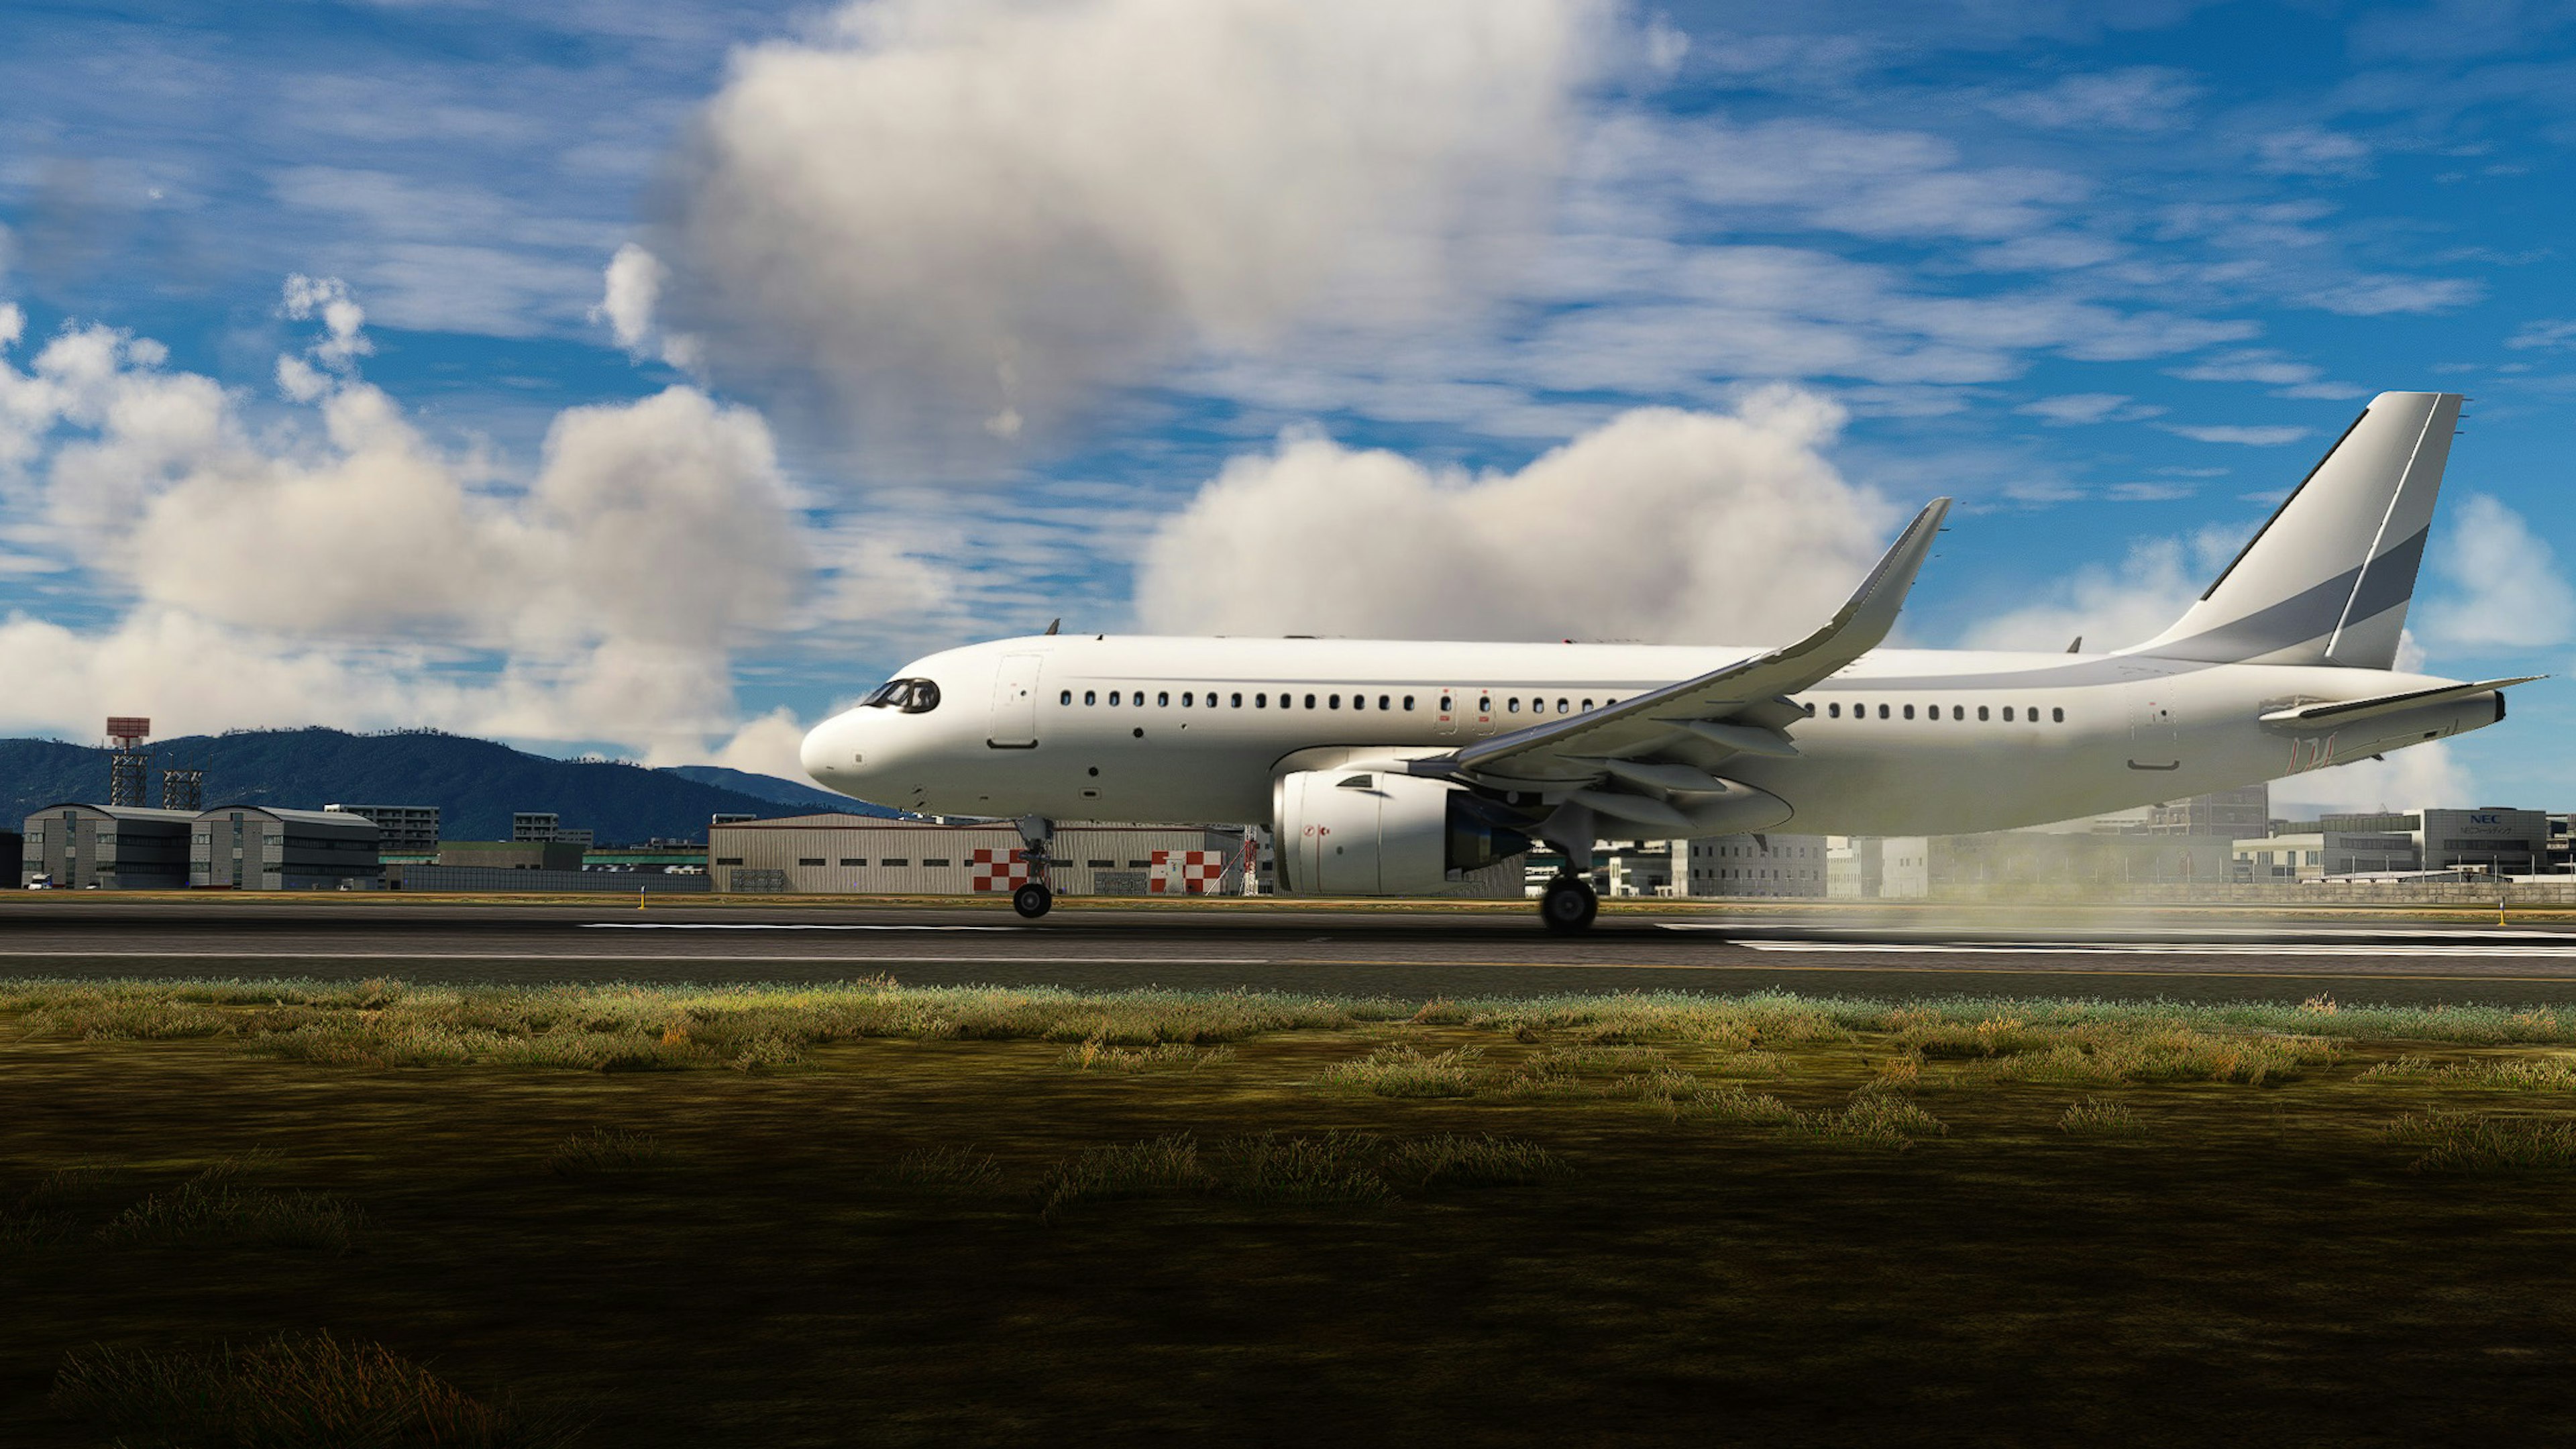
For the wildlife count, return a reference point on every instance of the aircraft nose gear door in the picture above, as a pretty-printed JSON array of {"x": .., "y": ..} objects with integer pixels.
[{"x": 1015, "y": 704}]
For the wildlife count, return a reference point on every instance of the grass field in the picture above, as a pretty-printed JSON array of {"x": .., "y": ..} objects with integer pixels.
[{"x": 273, "y": 1213}]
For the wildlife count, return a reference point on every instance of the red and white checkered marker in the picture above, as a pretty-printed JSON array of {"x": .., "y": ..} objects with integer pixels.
[
  {"x": 999, "y": 870},
  {"x": 1187, "y": 872}
]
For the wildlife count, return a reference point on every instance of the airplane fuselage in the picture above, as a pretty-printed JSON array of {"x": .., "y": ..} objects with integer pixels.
[{"x": 1902, "y": 741}]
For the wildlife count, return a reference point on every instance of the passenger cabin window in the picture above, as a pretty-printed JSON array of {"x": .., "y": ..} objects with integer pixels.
[
  {"x": 1163, "y": 699},
  {"x": 1068, "y": 697},
  {"x": 1446, "y": 704},
  {"x": 1091, "y": 696},
  {"x": 1238, "y": 701},
  {"x": 1484, "y": 704},
  {"x": 1113, "y": 696},
  {"x": 1381, "y": 703},
  {"x": 1260, "y": 701},
  {"x": 1186, "y": 698},
  {"x": 1513, "y": 704},
  {"x": 1587, "y": 704},
  {"x": 1310, "y": 701},
  {"x": 1408, "y": 704},
  {"x": 1882, "y": 711},
  {"x": 2057, "y": 715},
  {"x": 1958, "y": 711},
  {"x": 1909, "y": 711},
  {"x": 1335, "y": 701},
  {"x": 2008, "y": 714},
  {"x": 1833, "y": 711},
  {"x": 1981, "y": 712}
]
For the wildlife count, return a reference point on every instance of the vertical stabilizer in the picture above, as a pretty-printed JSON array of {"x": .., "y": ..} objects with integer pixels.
[{"x": 2328, "y": 579}]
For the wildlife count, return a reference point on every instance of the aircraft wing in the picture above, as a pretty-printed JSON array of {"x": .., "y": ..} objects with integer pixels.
[{"x": 1659, "y": 740}]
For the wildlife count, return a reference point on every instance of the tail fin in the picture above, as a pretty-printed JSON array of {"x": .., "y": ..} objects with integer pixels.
[{"x": 2328, "y": 578}]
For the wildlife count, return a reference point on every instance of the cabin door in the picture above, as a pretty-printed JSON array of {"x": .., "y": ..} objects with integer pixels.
[
  {"x": 1015, "y": 703},
  {"x": 2152, "y": 742}
]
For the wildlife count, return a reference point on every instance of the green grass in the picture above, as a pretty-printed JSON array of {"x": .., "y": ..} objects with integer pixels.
[
  {"x": 605, "y": 1150},
  {"x": 293, "y": 1391},
  {"x": 865, "y": 1213}
]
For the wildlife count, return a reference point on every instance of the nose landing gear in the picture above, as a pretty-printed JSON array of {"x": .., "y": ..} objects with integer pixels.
[
  {"x": 1037, "y": 897},
  {"x": 1568, "y": 904}
]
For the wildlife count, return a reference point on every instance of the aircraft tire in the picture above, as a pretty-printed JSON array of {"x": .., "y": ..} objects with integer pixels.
[
  {"x": 1568, "y": 905},
  {"x": 1032, "y": 901}
]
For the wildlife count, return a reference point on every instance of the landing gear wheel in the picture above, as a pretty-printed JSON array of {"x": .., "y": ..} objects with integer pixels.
[
  {"x": 1032, "y": 900},
  {"x": 1569, "y": 905}
]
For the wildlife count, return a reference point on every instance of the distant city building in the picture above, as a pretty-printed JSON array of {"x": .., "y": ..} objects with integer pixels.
[
  {"x": 267, "y": 848},
  {"x": 510, "y": 854},
  {"x": 2495, "y": 839},
  {"x": 400, "y": 829},
  {"x": 1878, "y": 868},
  {"x": 2225, "y": 814},
  {"x": 1787, "y": 866},
  {"x": 107, "y": 847},
  {"x": 534, "y": 825}
]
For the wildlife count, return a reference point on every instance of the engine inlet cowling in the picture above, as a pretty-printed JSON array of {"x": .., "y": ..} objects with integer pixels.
[{"x": 1371, "y": 833}]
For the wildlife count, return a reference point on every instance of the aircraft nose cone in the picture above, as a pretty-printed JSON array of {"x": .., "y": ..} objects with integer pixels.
[{"x": 834, "y": 754}]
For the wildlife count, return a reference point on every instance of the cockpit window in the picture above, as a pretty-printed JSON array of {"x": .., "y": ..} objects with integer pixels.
[{"x": 912, "y": 696}]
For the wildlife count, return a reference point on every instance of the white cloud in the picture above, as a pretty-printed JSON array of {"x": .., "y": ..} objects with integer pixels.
[
  {"x": 2112, "y": 607},
  {"x": 2288, "y": 378},
  {"x": 634, "y": 288},
  {"x": 2070, "y": 409},
  {"x": 342, "y": 566},
  {"x": 2505, "y": 589},
  {"x": 2311, "y": 150},
  {"x": 2381, "y": 295},
  {"x": 2139, "y": 98},
  {"x": 947, "y": 216},
  {"x": 2545, "y": 332},
  {"x": 1661, "y": 525},
  {"x": 328, "y": 298},
  {"x": 2416, "y": 778},
  {"x": 2256, "y": 437}
]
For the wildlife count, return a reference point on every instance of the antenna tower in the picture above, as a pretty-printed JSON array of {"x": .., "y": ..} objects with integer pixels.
[{"x": 128, "y": 763}]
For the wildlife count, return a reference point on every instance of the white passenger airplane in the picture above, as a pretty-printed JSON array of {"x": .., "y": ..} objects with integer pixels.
[{"x": 1391, "y": 768}]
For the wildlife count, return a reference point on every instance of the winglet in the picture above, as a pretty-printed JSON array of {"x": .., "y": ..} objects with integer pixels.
[{"x": 1864, "y": 619}]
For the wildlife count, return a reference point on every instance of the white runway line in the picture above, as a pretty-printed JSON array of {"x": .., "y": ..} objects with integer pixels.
[
  {"x": 2175, "y": 948},
  {"x": 2424, "y": 933}
]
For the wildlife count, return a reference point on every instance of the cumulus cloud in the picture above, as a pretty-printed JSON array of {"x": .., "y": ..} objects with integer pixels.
[
  {"x": 954, "y": 222},
  {"x": 345, "y": 567},
  {"x": 2416, "y": 778},
  {"x": 1661, "y": 525},
  {"x": 2505, "y": 587},
  {"x": 2113, "y": 607}
]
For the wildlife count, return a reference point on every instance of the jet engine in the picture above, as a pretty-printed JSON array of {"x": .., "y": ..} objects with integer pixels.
[{"x": 1371, "y": 833}]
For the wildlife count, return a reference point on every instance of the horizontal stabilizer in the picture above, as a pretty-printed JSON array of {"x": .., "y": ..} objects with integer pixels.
[{"x": 2332, "y": 713}]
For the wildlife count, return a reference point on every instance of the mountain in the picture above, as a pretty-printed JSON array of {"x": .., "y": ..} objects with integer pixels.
[
  {"x": 475, "y": 783},
  {"x": 771, "y": 787}
]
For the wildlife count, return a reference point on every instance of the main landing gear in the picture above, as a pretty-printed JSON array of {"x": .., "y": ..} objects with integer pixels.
[
  {"x": 1568, "y": 904},
  {"x": 1032, "y": 900}
]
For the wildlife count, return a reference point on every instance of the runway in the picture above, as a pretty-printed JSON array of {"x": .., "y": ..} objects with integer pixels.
[{"x": 1360, "y": 951}]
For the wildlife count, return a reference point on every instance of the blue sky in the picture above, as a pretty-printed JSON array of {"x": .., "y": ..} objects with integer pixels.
[{"x": 1521, "y": 317}]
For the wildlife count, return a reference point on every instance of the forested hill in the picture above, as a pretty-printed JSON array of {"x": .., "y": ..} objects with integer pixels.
[{"x": 477, "y": 783}]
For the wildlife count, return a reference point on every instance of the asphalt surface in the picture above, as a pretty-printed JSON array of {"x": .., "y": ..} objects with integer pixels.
[{"x": 2199, "y": 954}]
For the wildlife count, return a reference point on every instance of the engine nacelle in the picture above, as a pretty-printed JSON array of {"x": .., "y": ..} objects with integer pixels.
[{"x": 1372, "y": 833}]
